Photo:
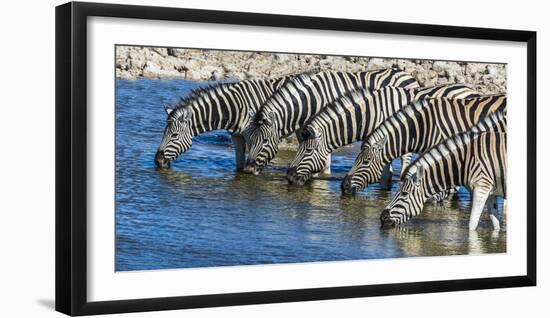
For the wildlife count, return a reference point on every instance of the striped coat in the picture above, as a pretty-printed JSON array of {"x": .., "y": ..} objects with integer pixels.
[
  {"x": 475, "y": 159},
  {"x": 415, "y": 129},
  {"x": 351, "y": 118},
  {"x": 225, "y": 106},
  {"x": 303, "y": 97}
]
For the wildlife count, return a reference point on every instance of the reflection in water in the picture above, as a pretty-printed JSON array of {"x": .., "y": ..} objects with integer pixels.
[{"x": 202, "y": 213}]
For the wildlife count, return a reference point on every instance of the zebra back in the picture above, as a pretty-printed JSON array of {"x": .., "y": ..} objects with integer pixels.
[
  {"x": 225, "y": 105},
  {"x": 306, "y": 94},
  {"x": 354, "y": 116},
  {"x": 454, "y": 91},
  {"x": 387, "y": 77}
]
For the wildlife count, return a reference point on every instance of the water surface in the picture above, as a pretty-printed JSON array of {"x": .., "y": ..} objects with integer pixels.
[{"x": 203, "y": 213}]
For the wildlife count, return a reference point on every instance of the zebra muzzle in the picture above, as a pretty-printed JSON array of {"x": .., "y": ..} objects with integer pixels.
[
  {"x": 347, "y": 187},
  {"x": 386, "y": 221},
  {"x": 293, "y": 178},
  {"x": 161, "y": 161},
  {"x": 252, "y": 167}
]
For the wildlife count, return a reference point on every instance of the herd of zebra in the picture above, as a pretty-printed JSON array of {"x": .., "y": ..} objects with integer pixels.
[{"x": 458, "y": 134}]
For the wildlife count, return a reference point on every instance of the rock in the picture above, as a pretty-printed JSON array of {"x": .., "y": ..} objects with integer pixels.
[
  {"x": 217, "y": 75},
  {"x": 124, "y": 75},
  {"x": 160, "y": 51},
  {"x": 151, "y": 70},
  {"x": 427, "y": 78},
  {"x": 380, "y": 63},
  {"x": 492, "y": 70},
  {"x": 176, "y": 52},
  {"x": 144, "y": 62}
]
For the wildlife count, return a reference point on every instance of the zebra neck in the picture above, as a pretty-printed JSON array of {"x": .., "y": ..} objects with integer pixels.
[
  {"x": 408, "y": 132},
  {"x": 345, "y": 135},
  {"x": 444, "y": 167},
  {"x": 222, "y": 107},
  {"x": 359, "y": 119},
  {"x": 346, "y": 121},
  {"x": 299, "y": 101}
]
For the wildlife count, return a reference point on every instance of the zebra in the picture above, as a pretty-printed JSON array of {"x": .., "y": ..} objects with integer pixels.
[
  {"x": 226, "y": 106},
  {"x": 475, "y": 159},
  {"x": 351, "y": 118},
  {"x": 300, "y": 99},
  {"x": 415, "y": 129}
]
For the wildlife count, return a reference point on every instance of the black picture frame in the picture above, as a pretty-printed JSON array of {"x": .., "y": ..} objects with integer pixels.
[{"x": 71, "y": 157}]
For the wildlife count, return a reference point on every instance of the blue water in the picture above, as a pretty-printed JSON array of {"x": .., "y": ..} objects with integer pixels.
[{"x": 202, "y": 213}]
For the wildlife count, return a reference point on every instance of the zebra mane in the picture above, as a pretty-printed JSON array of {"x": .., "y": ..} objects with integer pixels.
[{"x": 301, "y": 77}]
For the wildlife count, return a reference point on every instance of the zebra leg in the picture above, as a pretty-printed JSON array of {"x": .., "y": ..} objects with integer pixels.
[
  {"x": 240, "y": 147},
  {"x": 326, "y": 171},
  {"x": 474, "y": 244},
  {"x": 492, "y": 208},
  {"x": 478, "y": 203},
  {"x": 405, "y": 160},
  {"x": 385, "y": 180}
]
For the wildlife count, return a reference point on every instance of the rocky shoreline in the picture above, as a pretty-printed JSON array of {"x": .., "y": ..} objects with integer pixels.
[{"x": 212, "y": 65}]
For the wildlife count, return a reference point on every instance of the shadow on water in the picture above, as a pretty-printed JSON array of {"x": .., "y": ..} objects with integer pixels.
[{"x": 203, "y": 213}]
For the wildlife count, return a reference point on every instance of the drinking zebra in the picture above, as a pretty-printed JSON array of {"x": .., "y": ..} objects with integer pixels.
[
  {"x": 303, "y": 97},
  {"x": 351, "y": 118},
  {"x": 415, "y": 129},
  {"x": 475, "y": 159},
  {"x": 220, "y": 106}
]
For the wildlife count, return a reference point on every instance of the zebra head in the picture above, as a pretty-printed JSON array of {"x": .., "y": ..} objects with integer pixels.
[
  {"x": 176, "y": 139},
  {"x": 263, "y": 142},
  {"x": 408, "y": 201},
  {"x": 310, "y": 158},
  {"x": 367, "y": 168}
]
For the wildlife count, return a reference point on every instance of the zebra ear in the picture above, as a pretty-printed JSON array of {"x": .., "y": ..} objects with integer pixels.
[
  {"x": 380, "y": 143},
  {"x": 168, "y": 109}
]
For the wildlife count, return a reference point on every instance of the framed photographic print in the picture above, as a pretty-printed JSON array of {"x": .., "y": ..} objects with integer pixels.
[{"x": 208, "y": 158}]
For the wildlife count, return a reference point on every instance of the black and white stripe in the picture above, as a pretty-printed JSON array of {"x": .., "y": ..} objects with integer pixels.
[
  {"x": 303, "y": 97},
  {"x": 351, "y": 118},
  {"x": 415, "y": 129},
  {"x": 475, "y": 159},
  {"x": 228, "y": 106}
]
